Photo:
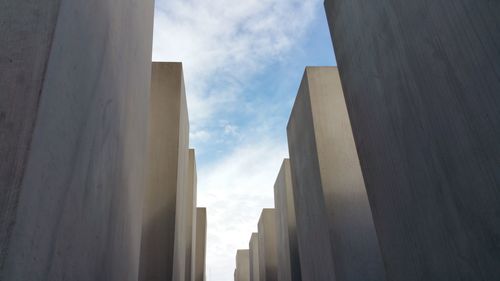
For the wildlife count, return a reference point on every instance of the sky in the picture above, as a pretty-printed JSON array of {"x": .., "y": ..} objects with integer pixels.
[{"x": 243, "y": 62}]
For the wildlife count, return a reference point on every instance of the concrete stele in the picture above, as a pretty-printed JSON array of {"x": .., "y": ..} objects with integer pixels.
[
  {"x": 191, "y": 191},
  {"x": 201, "y": 240},
  {"x": 288, "y": 252},
  {"x": 74, "y": 98},
  {"x": 253, "y": 246},
  {"x": 268, "y": 256},
  {"x": 242, "y": 265},
  {"x": 335, "y": 230},
  {"x": 421, "y": 83},
  {"x": 160, "y": 251}
]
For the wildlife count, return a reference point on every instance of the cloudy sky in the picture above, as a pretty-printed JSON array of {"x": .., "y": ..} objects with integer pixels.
[{"x": 243, "y": 61}]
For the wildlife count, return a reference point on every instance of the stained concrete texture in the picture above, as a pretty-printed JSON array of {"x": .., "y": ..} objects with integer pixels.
[
  {"x": 253, "y": 246},
  {"x": 421, "y": 82},
  {"x": 268, "y": 253},
  {"x": 242, "y": 272},
  {"x": 335, "y": 230},
  {"x": 74, "y": 101},
  {"x": 191, "y": 217},
  {"x": 201, "y": 241},
  {"x": 164, "y": 208},
  {"x": 288, "y": 249}
]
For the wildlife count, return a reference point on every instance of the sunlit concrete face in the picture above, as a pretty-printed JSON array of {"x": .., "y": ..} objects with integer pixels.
[
  {"x": 268, "y": 255},
  {"x": 163, "y": 251},
  {"x": 335, "y": 231},
  {"x": 74, "y": 100},
  {"x": 242, "y": 265},
  {"x": 201, "y": 241},
  {"x": 421, "y": 81},
  {"x": 253, "y": 246},
  {"x": 288, "y": 255}
]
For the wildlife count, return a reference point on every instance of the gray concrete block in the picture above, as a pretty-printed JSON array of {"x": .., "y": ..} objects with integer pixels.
[
  {"x": 268, "y": 253},
  {"x": 253, "y": 246},
  {"x": 201, "y": 241},
  {"x": 336, "y": 235},
  {"x": 162, "y": 250},
  {"x": 421, "y": 82},
  {"x": 288, "y": 249},
  {"x": 191, "y": 217},
  {"x": 74, "y": 100},
  {"x": 242, "y": 272}
]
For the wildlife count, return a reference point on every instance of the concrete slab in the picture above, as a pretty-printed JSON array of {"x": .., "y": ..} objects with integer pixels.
[
  {"x": 242, "y": 265},
  {"x": 288, "y": 249},
  {"x": 268, "y": 251},
  {"x": 74, "y": 100},
  {"x": 421, "y": 81},
  {"x": 191, "y": 217},
  {"x": 254, "y": 257},
  {"x": 335, "y": 230},
  {"x": 161, "y": 257},
  {"x": 201, "y": 240}
]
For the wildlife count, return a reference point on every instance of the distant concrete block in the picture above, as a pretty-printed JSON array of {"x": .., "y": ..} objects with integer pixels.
[
  {"x": 422, "y": 87},
  {"x": 201, "y": 241},
  {"x": 288, "y": 251},
  {"x": 191, "y": 217},
  {"x": 254, "y": 257},
  {"x": 164, "y": 207},
  {"x": 74, "y": 101},
  {"x": 268, "y": 254},
  {"x": 335, "y": 231},
  {"x": 242, "y": 265}
]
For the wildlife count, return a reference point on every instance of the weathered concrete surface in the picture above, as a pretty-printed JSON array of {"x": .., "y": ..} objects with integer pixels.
[
  {"x": 168, "y": 141},
  {"x": 201, "y": 244},
  {"x": 74, "y": 97},
  {"x": 253, "y": 247},
  {"x": 421, "y": 81},
  {"x": 288, "y": 249},
  {"x": 191, "y": 217},
  {"x": 242, "y": 265},
  {"x": 335, "y": 230},
  {"x": 268, "y": 253}
]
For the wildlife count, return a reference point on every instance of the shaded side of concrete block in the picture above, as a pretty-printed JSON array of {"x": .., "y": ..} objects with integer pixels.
[
  {"x": 421, "y": 83},
  {"x": 288, "y": 255},
  {"x": 242, "y": 265},
  {"x": 191, "y": 216},
  {"x": 201, "y": 240},
  {"x": 268, "y": 253},
  {"x": 253, "y": 246}
]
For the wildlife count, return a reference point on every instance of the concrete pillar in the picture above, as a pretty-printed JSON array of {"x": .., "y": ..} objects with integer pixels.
[
  {"x": 191, "y": 217},
  {"x": 167, "y": 176},
  {"x": 268, "y": 256},
  {"x": 421, "y": 82},
  {"x": 201, "y": 240},
  {"x": 242, "y": 265},
  {"x": 288, "y": 251},
  {"x": 335, "y": 230},
  {"x": 254, "y": 257},
  {"x": 74, "y": 99}
]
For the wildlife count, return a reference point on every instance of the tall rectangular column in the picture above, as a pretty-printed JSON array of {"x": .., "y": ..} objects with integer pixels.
[
  {"x": 201, "y": 240},
  {"x": 288, "y": 251},
  {"x": 335, "y": 231},
  {"x": 242, "y": 265},
  {"x": 191, "y": 191},
  {"x": 253, "y": 246},
  {"x": 74, "y": 100},
  {"x": 421, "y": 82},
  {"x": 164, "y": 194},
  {"x": 268, "y": 254}
]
